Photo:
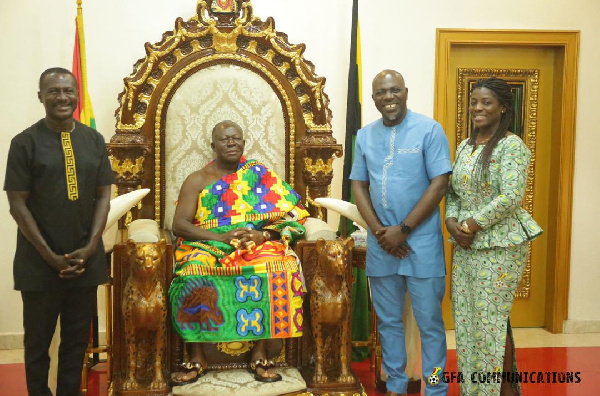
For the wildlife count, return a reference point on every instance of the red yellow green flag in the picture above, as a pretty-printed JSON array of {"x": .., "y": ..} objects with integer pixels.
[{"x": 84, "y": 112}]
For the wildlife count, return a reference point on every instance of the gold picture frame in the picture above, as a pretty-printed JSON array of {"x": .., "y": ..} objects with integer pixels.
[{"x": 524, "y": 84}]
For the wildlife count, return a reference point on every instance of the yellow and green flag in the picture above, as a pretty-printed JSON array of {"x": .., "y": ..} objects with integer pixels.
[
  {"x": 84, "y": 112},
  {"x": 353, "y": 109},
  {"x": 361, "y": 315}
]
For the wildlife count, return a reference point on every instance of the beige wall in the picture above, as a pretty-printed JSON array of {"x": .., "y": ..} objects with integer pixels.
[{"x": 394, "y": 35}]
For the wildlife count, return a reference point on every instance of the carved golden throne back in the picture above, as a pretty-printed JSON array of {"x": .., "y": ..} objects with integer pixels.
[{"x": 223, "y": 63}]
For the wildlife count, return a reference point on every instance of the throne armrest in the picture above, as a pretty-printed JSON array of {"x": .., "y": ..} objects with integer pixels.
[
  {"x": 144, "y": 230},
  {"x": 317, "y": 228}
]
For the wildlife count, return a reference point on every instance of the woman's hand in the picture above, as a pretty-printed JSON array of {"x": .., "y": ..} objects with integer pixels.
[{"x": 463, "y": 239}]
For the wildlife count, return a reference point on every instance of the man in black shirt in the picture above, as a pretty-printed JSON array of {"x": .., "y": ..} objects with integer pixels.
[{"x": 58, "y": 181}]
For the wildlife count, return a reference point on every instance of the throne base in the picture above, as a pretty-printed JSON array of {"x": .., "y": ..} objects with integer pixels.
[{"x": 240, "y": 382}]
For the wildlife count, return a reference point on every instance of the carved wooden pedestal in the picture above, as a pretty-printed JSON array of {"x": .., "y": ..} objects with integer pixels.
[
  {"x": 140, "y": 325},
  {"x": 325, "y": 345}
]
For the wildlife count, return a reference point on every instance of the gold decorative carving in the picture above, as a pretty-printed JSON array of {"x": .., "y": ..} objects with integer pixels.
[
  {"x": 529, "y": 78},
  {"x": 239, "y": 33},
  {"x": 149, "y": 70},
  {"x": 319, "y": 166},
  {"x": 226, "y": 42},
  {"x": 128, "y": 218},
  {"x": 235, "y": 348},
  {"x": 127, "y": 166},
  {"x": 172, "y": 83},
  {"x": 311, "y": 202}
]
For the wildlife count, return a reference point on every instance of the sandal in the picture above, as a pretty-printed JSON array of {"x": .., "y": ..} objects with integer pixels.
[
  {"x": 265, "y": 365},
  {"x": 187, "y": 368}
]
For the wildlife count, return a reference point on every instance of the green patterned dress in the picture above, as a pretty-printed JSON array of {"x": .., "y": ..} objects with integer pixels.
[{"x": 485, "y": 277}]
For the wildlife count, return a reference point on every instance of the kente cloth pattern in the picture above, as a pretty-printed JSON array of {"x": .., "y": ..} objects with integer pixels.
[
  {"x": 70, "y": 169},
  {"x": 223, "y": 294}
]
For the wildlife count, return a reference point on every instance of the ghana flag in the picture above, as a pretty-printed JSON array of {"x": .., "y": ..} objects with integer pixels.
[
  {"x": 83, "y": 113},
  {"x": 361, "y": 317},
  {"x": 353, "y": 109}
]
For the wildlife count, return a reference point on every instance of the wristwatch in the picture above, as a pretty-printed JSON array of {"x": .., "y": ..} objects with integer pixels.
[
  {"x": 465, "y": 227},
  {"x": 405, "y": 228}
]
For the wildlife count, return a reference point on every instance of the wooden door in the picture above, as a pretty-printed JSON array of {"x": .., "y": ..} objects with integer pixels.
[{"x": 534, "y": 73}]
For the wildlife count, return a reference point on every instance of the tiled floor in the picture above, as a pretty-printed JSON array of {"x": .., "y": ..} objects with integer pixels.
[{"x": 538, "y": 352}]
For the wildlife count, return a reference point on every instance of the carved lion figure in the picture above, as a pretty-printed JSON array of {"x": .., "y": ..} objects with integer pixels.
[
  {"x": 330, "y": 307},
  {"x": 145, "y": 313}
]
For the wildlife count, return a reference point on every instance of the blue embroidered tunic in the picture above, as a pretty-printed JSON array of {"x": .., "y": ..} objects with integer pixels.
[{"x": 399, "y": 163}]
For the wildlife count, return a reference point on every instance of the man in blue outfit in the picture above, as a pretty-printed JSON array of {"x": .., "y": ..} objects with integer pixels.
[{"x": 399, "y": 176}]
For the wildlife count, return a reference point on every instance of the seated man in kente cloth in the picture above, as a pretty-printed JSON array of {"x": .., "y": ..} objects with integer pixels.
[{"x": 236, "y": 279}]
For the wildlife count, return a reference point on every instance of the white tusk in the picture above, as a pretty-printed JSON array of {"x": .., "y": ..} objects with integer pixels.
[{"x": 346, "y": 209}]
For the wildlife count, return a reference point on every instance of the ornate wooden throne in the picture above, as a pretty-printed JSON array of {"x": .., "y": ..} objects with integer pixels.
[{"x": 223, "y": 63}]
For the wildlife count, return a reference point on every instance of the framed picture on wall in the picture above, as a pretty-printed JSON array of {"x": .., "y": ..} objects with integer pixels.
[{"x": 524, "y": 84}]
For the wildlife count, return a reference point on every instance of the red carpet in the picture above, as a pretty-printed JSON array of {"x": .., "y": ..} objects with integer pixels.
[{"x": 547, "y": 370}]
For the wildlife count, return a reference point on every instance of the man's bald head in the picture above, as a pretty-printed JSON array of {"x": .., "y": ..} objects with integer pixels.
[
  {"x": 225, "y": 125},
  {"x": 390, "y": 95},
  {"x": 228, "y": 142},
  {"x": 386, "y": 72}
]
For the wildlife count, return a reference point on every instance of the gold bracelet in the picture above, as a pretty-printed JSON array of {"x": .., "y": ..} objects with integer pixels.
[
  {"x": 267, "y": 235},
  {"x": 465, "y": 227}
]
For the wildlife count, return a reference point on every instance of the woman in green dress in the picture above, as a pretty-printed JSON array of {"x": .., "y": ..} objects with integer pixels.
[{"x": 491, "y": 231}]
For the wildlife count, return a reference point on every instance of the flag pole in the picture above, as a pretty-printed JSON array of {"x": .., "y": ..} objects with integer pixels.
[
  {"x": 82, "y": 54},
  {"x": 85, "y": 113}
]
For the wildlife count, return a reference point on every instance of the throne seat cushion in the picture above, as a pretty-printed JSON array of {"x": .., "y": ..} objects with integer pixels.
[{"x": 240, "y": 382}]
